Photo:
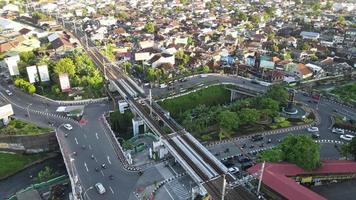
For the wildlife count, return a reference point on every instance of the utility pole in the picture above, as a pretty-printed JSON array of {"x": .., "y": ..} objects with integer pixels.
[
  {"x": 261, "y": 176},
  {"x": 150, "y": 102},
  {"x": 223, "y": 188}
]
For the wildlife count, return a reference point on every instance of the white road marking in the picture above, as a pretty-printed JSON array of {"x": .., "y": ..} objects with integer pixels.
[
  {"x": 108, "y": 159},
  {"x": 102, "y": 173},
  {"x": 90, "y": 147},
  {"x": 95, "y": 159},
  {"x": 112, "y": 191},
  {"x": 86, "y": 167},
  {"x": 76, "y": 141},
  {"x": 96, "y": 135},
  {"x": 168, "y": 192}
]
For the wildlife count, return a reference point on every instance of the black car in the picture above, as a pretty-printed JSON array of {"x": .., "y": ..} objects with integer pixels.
[
  {"x": 243, "y": 159},
  {"x": 256, "y": 138}
]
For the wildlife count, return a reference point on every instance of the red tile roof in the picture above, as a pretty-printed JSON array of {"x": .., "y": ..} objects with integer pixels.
[{"x": 276, "y": 175}]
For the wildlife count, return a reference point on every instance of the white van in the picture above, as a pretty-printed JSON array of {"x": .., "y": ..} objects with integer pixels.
[{"x": 100, "y": 188}]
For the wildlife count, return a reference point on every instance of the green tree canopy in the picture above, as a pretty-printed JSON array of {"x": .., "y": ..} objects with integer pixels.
[
  {"x": 350, "y": 148},
  {"x": 228, "y": 120},
  {"x": 248, "y": 116},
  {"x": 278, "y": 93},
  {"x": 205, "y": 69},
  {"x": 149, "y": 27},
  {"x": 45, "y": 175},
  {"x": 297, "y": 149},
  {"x": 28, "y": 57},
  {"x": 65, "y": 65}
]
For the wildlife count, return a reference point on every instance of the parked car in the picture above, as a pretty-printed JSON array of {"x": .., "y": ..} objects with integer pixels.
[
  {"x": 233, "y": 170},
  {"x": 347, "y": 137},
  {"x": 313, "y": 129},
  {"x": 100, "y": 188},
  {"x": 338, "y": 131},
  {"x": 68, "y": 126},
  {"x": 8, "y": 92}
]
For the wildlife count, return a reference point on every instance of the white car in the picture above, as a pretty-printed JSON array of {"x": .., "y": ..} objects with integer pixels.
[
  {"x": 313, "y": 129},
  {"x": 338, "y": 130},
  {"x": 68, "y": 126},
  {"x": 347, "y": 137},
  {"x": 100, "y": 188},
  {"x": 233, "y": 170},
  {"x": 8, "y": 92}
]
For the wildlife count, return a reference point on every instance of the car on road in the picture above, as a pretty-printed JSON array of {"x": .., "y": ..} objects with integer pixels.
[
  {"x": 256, "y": 138},
  {"x": 347, "y": 137},
  {"x": 68, "y": 127},
  {"x": 243, "y": 159},
  {"x": 233, "y": 170},
  {"x": 338, "y": 131},
  {"x": 100, "y": 188},
  {"x": 313, "y": 129},
  {"x": 8, "y": 92},
  {"x": 315, "y": 135}
]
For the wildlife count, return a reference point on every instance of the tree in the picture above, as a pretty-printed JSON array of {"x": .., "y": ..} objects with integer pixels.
[
  {"x": 313, "y": 57},
  {"x": 122, "y": 15},
  {"x": 248, "y": 116},
  {"x": 278, "y": 93},
  {"x": 302, "y": 151},
  {"x": 297, "y": 149},
  {"x": 241, "y": 16},
  {"x": 45, "y": 175},
  {"x": 274, "y": 48},
  {"x": 328, "y": 5},
  {"x": 149, "y": 27},
  {"x": 305, "y": 46},
  {"x": 341, "y": 20},
  {"x": 184, "y": 2},
  {"x": 65, "y": 65},
  {"x": 287, "y": 56},
  {"x": 31, "y": 89},
  {"x": 127, "y": 66},
  {"x": 28, "y": 57},
  {"x": 205, "y": 69},
  {"x": 255, "y": 18},
  {"x": 273, "y": 155},
  {"x": 220, "y": 27},
  {"x": 228, "y": 120},
  {"x": 37, "y": 16}
]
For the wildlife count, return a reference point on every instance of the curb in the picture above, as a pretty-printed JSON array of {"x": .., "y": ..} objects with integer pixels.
[{"x": 76, "y": 102}]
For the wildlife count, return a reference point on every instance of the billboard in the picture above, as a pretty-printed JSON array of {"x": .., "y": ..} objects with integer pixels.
[
  {"x": 11, "y": 63},
  {"x": 64, "y": 82},
  {"x": 32, "y": 74},
  {"x": 43, "y": 71},
  {"x": 6, "y": 111}
]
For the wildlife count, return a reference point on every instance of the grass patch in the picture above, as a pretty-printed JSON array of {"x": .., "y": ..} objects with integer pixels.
[
  {"x": 11, "y": 163},
  {"x": 17, "y": 127},
  {"x": 346, "y": 92},
  {"x": 210, "y": 96}
]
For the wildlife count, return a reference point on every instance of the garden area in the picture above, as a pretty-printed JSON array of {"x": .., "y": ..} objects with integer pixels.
[
  {"x": 208, "y": 115},
  {"x": 211, "y": 96},
  {"x": 86, "y": 80},
  {"x": 344, "y": 123},
  {"x": 346, "y": 92},
  {"x": 121, "y": 124},
  {"x": 15, "y": 162},
  {"x": 18, "y": 127}
]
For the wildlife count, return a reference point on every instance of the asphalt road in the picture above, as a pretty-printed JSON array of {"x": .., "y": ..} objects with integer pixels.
[{"x": 92, "y": 135}]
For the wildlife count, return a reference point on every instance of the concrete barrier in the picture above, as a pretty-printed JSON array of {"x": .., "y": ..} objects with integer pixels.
[
  {"x": 29, "y": 143},
  {"x": 84, "y": 101}
]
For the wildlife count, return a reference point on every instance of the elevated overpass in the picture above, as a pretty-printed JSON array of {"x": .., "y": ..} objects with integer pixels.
[{"x": 201, "y": 165}]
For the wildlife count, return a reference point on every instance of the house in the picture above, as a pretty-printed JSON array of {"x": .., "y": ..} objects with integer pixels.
[
  {"x": 158, "y": 60},
  {"x": 302, "y": 72},
  {"x": 6, "y": 46},
  {"x": 61, "y": 43},
  {"x": 310, "y": 35},
  {"x": 142, "y": 56}
]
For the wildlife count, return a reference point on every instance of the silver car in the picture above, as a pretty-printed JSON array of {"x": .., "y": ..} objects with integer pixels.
[{"x": 100, "y": 188}]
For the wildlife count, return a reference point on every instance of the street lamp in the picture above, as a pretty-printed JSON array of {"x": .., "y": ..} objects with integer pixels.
[{"x": 85, "y": 192}]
